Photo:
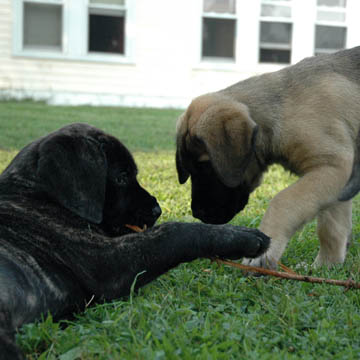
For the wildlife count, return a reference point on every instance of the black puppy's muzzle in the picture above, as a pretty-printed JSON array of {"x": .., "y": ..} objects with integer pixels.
[
  {"x": 150, "y": 218},
  {"x": 149, "y": 214}
]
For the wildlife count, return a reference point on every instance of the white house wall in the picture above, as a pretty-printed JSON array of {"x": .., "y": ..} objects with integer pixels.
[{"x": 164, "y": 69}]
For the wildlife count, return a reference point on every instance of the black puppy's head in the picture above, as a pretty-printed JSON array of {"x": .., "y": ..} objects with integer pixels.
[
  {"x": 125, "y": 199},
  {"x": 93, "y": 175}
]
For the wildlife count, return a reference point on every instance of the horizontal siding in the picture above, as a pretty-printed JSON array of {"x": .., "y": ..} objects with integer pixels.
[
  {"x": 166, "y": 60},
  {"x": 5, "y": 32},
  {"x": 6, "y": 68},
  {"x": 77, "y": 78},
  {"x": 160, "y": 70}
]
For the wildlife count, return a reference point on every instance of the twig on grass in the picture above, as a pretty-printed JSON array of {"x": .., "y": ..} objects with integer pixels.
[
  {"x": 136, "y": 228},
  {"x": 291, "y": 275}
]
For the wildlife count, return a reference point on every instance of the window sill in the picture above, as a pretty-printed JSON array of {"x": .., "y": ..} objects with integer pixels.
[
  {"x": 230, "y": 66},
  {"x": 99, "y": 58},
  {"x": 221, "y": 64}
]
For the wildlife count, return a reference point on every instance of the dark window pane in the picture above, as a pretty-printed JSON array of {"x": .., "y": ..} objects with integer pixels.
[
  {"x": 42, "y": 26},
  {"x": 218, "y": 38},
  {"x": 106, "y": 33},
  {"x": 275, "y": 32},
  {"x": 275, "y": 56},
  {"x": 330, "y": 37}
]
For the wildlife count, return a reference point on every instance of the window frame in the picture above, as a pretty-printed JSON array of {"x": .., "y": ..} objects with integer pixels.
[
  {"x": 75, "y": 32},
  {"x": 107, "y": 10},
  {"x": 18, "y": 29},
  {"x": 276, "y": 19},
  {"x": 44, "y": 49},
  {"x": 222, "y": 16},
  {"x": 329, "y": 23}
]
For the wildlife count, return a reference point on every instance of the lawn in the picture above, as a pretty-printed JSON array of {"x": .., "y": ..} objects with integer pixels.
[{"x": 190, "y": 313}]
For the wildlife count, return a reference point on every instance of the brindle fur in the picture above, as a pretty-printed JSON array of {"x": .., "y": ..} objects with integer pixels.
[{"x": 64, "y": 203}]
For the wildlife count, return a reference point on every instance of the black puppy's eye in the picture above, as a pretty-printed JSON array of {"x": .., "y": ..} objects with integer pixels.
[{"x": 122, "y": 179}]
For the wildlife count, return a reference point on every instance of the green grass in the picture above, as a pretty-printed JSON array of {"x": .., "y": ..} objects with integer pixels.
[
  {"x": 188, "y": 313},
  {"x": 139, "y": 129}
]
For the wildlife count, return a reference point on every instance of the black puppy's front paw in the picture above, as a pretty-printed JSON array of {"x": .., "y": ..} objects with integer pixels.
[{"x": 234, "y": 242}]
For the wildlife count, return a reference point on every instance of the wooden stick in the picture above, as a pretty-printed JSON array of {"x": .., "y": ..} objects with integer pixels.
[
  {"x": 286, "y": 269},
  {"x": 291, "y": 275},
  {"x": 136, "y": 228}
]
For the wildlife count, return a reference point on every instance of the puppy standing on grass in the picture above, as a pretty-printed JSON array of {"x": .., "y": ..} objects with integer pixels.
[{"x": 305, "y": 117}]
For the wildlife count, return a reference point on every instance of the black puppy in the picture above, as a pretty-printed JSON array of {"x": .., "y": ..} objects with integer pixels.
[{"x": 64, "y": 202}]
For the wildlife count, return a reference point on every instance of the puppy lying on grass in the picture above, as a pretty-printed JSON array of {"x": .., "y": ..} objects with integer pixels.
[{"x": 65, "y": 202}]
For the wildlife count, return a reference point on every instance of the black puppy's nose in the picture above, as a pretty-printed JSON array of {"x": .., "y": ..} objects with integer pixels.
[{"x": 156, "y": 211}]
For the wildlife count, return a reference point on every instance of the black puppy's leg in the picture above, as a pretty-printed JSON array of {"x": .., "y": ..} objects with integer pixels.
[
  {"x": 27, "y": 291},
  {"x": 163, "y": 247},
  {"x": 8, "y": 347}
]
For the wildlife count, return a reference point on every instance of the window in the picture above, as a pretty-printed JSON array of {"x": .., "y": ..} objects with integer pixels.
[
  {"x": 219, "y": 29},
  {"x": 42, "y": 29},
  {"x": 275, "y": 31},
  {"x": 107, "y": 26},
  {"x": 96, "y": 30},
  {"x": 330, "y": 28}
]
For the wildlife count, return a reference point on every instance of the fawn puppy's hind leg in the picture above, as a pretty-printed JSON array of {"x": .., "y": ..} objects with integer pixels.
[{"x": 334, "y": 232}]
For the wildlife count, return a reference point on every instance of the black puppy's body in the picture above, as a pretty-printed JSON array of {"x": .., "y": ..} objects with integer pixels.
[{"x": 64, "y": 203}]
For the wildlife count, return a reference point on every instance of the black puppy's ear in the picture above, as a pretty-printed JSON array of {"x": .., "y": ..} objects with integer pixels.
[{"x": 72, "y": 171}]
